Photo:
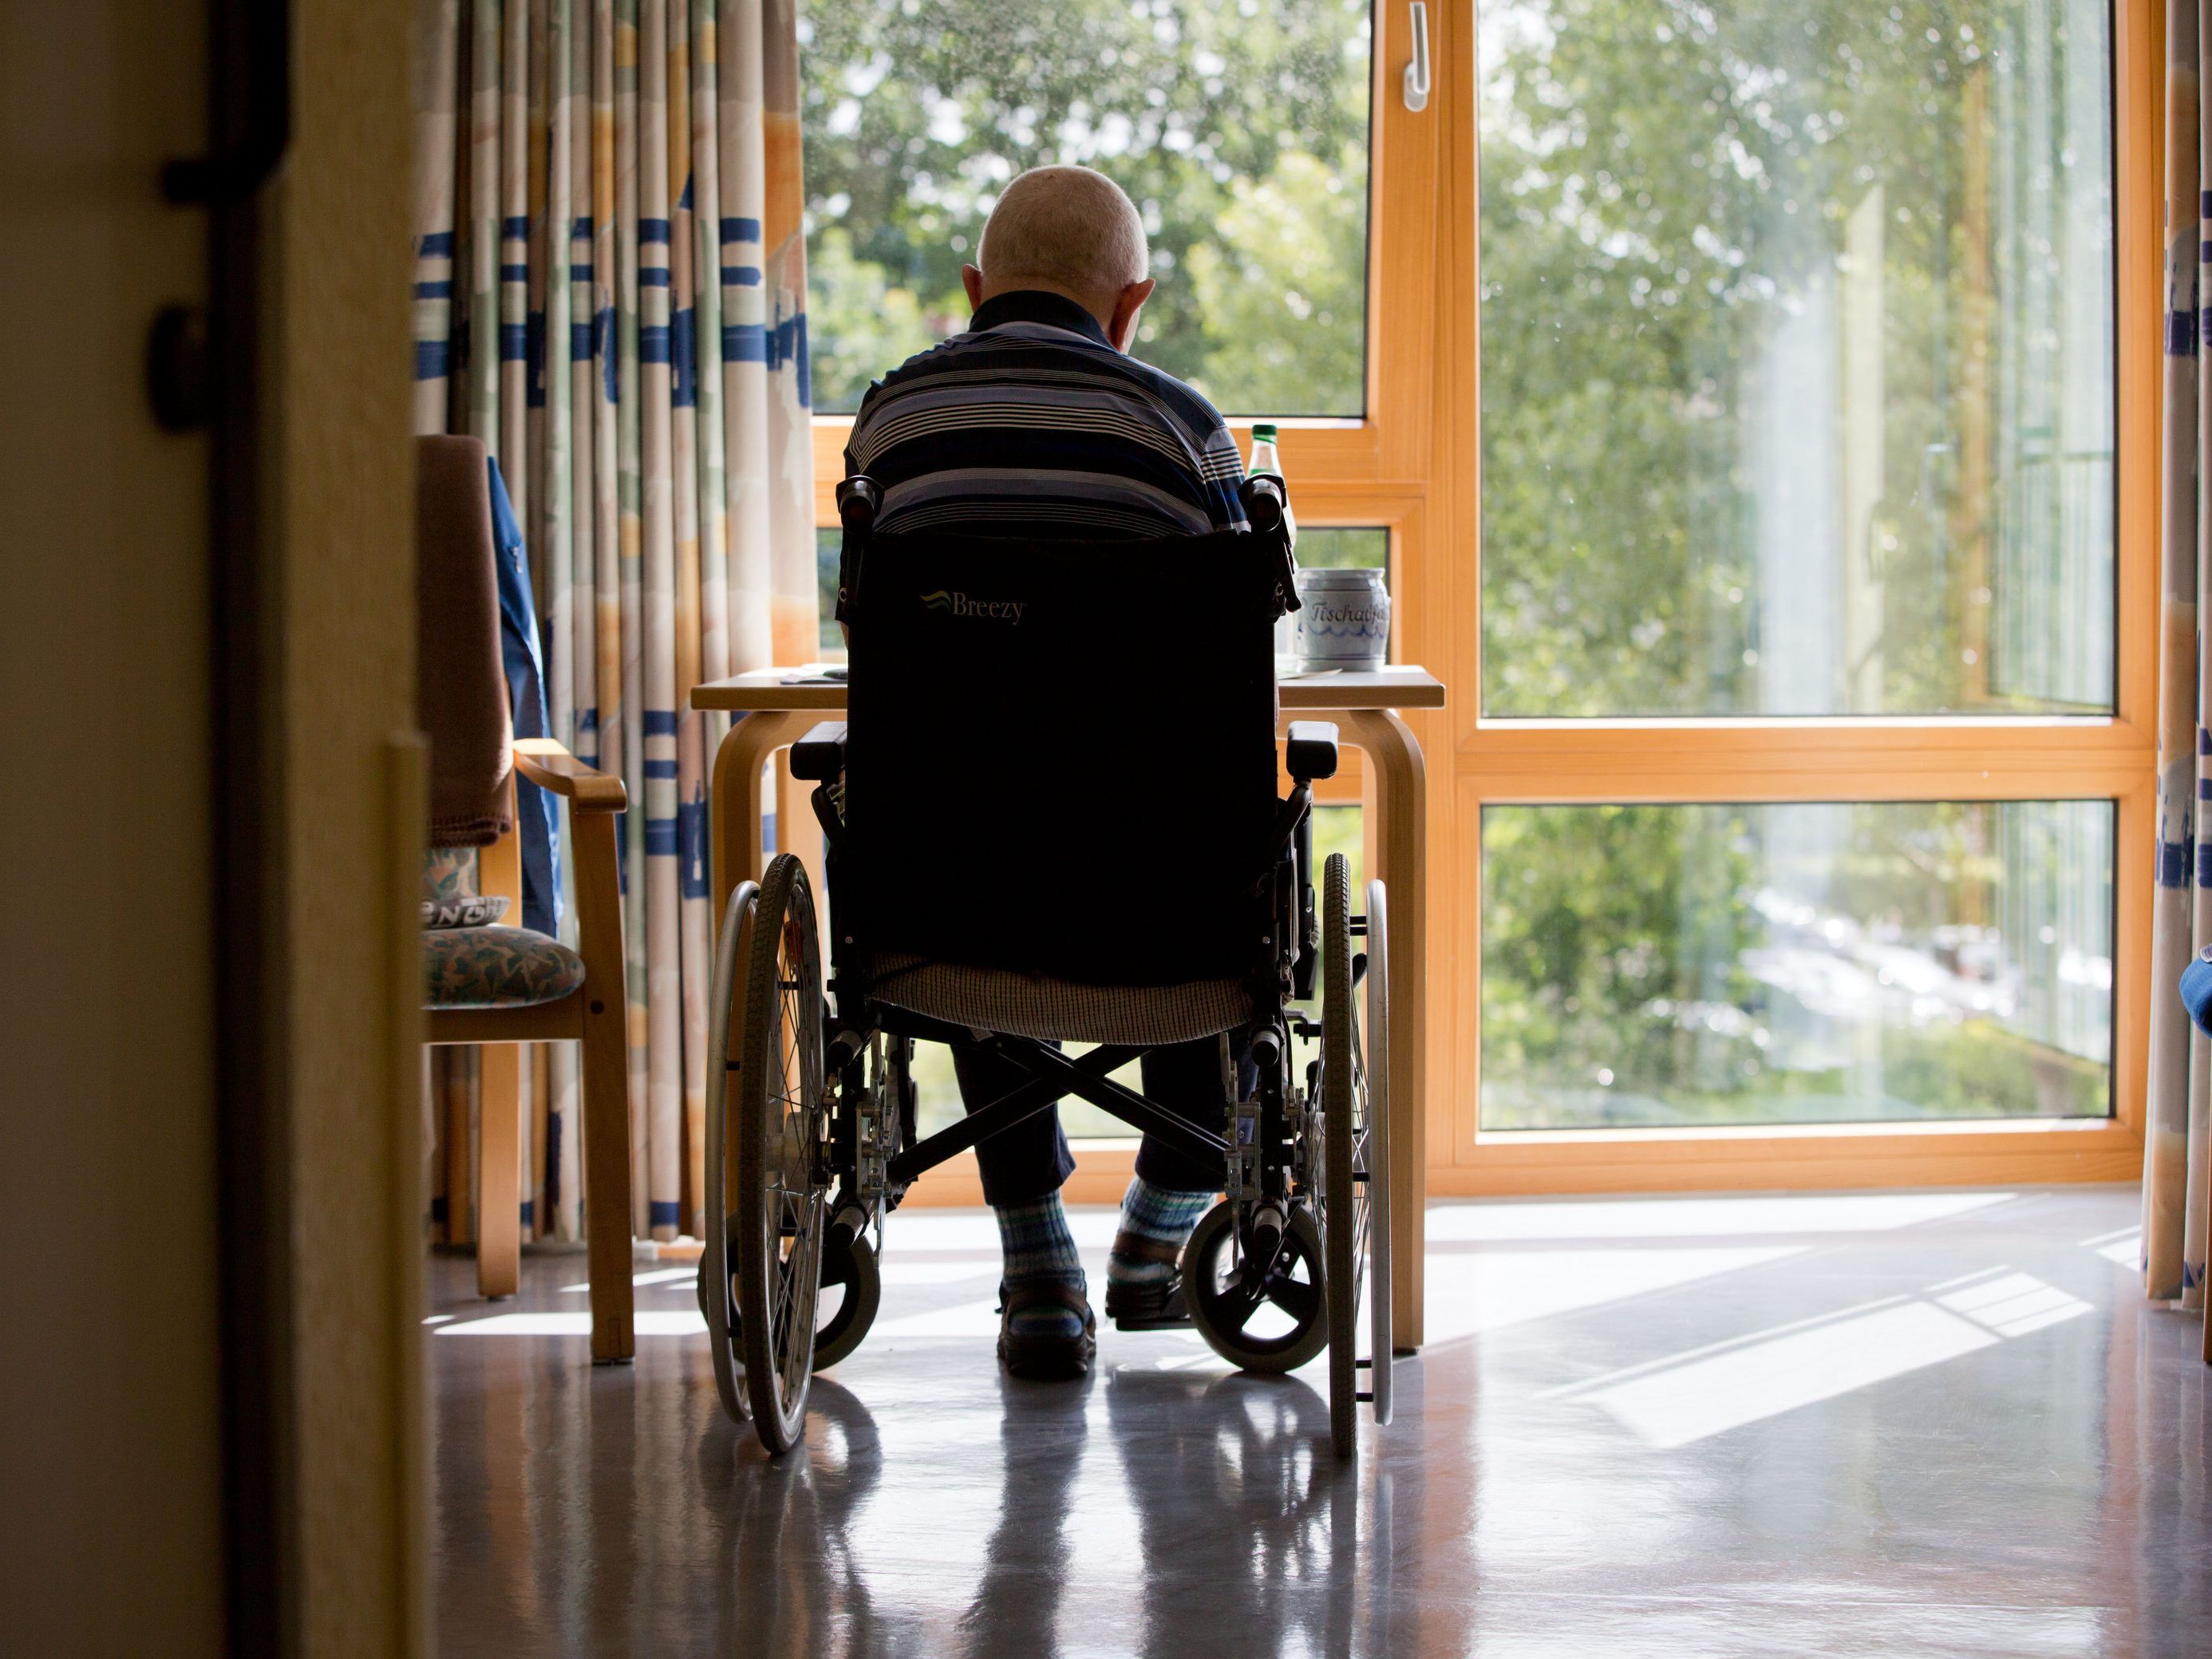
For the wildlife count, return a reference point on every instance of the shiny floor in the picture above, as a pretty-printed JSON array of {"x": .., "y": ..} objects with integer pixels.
[{"x": 1880, "y": 1424}]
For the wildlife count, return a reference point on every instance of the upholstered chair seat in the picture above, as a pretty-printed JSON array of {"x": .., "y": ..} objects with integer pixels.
[{"x": 496, "y": 968}]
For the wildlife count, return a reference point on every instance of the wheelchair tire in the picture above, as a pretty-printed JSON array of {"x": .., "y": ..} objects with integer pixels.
[
  {"x": 778, "y": 1113},
  {"x": 1222, "y": 1310},
  {"x": 848, "y": 1263},
  {"x": 717, "y": 1291},
  {"x": 1380, "y": 1335},
  {"x": 1344, "y": 1209}
]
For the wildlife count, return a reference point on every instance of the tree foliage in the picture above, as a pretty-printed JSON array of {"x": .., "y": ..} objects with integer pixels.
[{"x": 1240, "y": 131}]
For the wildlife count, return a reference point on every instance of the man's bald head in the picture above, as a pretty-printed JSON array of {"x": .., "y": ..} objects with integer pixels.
[{"x": 1072, "y": 232}]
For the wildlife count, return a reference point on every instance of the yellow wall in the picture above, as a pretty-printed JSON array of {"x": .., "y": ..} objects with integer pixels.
[
  {"x": 344, "y": 471},
  {"x": 110, "y": 1470}
]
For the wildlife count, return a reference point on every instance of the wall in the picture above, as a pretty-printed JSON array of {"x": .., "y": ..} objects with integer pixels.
[
  {"x": 343, "y": 506},
  {"x": 110, "y": 1467}
]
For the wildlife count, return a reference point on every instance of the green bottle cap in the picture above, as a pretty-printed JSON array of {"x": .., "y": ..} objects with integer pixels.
[{"x": 1263, "y": 432}]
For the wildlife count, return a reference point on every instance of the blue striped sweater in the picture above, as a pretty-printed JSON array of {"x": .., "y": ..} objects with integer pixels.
[{"x": 1032, "y": 424}]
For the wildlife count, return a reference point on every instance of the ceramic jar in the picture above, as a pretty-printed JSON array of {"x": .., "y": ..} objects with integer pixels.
[{"x": 1344, "y": 619}]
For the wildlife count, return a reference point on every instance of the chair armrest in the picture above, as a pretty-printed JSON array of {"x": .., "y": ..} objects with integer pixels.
[
  {"x": 1311, "y": 751},
  {"x": 819, "y": 757},
  {"x": 550, "y": 766}
]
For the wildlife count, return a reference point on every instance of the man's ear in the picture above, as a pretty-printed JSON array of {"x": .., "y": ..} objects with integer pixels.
[
  {"x": 972, "y": 280},
  {"x": 1121, "y": 328}
]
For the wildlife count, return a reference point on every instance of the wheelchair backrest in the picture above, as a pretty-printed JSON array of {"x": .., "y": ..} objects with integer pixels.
[{"x": 1060, "y": 757}]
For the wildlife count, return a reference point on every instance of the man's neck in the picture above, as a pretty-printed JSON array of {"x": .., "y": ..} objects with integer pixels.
[{"x": 1024, "y": 303}]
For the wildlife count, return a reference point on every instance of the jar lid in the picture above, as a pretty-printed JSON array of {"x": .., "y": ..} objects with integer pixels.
[{"x": 1345, "y": 576}]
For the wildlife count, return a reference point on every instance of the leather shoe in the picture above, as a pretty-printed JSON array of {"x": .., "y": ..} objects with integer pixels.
[
  {"x": 1045, "y": 1356},
  {"x": 1149, "y": 1305}
]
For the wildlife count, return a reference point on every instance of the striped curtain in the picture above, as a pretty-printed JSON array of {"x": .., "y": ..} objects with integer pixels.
[
  {"x": 610, "y": 291},
  {"x": 2178, "y": 1129}
]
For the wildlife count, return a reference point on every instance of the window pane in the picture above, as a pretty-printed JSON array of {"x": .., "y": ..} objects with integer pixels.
[
  {"x": 1334, "y": 547},
  {"x": 1815, "y": 963},
  {"x": 829, "y": 549},
  {"x": 1240, "y": 131},
  {"x": 1796, "y": 357}
]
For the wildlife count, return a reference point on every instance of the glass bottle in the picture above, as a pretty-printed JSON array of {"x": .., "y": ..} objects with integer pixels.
[{"x": 1266, "y": 462}]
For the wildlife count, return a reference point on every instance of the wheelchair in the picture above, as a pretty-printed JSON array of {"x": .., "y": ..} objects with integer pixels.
[{"x": 1051, "y": 815}]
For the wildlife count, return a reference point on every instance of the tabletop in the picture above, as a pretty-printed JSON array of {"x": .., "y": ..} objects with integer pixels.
[{"x": 1398, "y": 686}]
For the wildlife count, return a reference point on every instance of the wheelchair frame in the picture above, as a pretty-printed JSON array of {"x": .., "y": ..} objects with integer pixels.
[{"x": 857, "y": 1110}]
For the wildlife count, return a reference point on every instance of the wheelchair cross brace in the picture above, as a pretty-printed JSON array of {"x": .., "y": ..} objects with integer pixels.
[{"x": 1051, "y": 1074}]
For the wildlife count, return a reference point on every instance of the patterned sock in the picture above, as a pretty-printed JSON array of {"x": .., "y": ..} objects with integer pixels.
[
  {"x": 1155, "y": 1213},
  {"x": 1037, "y": 1246}
]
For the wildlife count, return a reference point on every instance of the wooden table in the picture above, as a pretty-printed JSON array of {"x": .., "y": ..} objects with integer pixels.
[{"x": 780, "y": 705}]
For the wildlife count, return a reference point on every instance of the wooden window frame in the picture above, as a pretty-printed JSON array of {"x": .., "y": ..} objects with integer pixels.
[{"x": 1412, "y": 465}]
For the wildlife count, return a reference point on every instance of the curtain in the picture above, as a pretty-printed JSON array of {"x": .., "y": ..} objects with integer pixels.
[
  {"x": 2178, "y": 1127},
  {"x": 610, "y": 290}
]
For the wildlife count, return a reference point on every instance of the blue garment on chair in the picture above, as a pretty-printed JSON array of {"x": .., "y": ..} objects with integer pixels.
[
  {"x": 537, "y": 823},
  {"x": 2196, "y": 990}
]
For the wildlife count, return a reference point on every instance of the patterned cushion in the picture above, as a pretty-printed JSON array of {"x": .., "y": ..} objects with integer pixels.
[
  {"x": 496, "y": 968},
  {"x": 476, "y": 911},
  {"x": 994, "y": 999},
  {"x": 449, "y": 873}
]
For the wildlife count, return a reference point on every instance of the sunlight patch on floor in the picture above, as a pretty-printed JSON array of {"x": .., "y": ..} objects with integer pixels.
[
  {"x": 2122, "y": 1248},
  {"x": 1699, "y": 1218},
  {"x": 1472, "y": 1294},
  {"x": 685, "y": 1322},
  {"x": 1688, "y": 1397},
  {"x": 1692, "y": 1397}
]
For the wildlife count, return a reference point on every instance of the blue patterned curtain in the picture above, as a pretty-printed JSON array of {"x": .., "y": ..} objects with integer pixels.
[{"x": 610, "y": 291}]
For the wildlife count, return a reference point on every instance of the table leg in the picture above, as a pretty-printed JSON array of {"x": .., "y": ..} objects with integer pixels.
[
  {"x": 734, "y": 807},
  {"x": 1400, "y": 842}
]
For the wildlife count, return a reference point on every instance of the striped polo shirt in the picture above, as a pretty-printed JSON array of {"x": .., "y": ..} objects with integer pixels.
[{"x": 1032, "y": 424}]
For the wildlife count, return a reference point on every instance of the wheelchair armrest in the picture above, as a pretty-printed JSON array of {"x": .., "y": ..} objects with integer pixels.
[
  {"x": 1311, "y": 751},
  {"x": 819, "y": 757}
]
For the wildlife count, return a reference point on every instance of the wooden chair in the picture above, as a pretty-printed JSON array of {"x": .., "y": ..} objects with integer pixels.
[
  {"x": 500, "y": 986},
  {"x": 594, "y": 1013}
]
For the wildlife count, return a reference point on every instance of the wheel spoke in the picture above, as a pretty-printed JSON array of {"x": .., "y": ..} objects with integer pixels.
[
  {"x": 1240, "y": 1303},
  {"x": 1298, "y": 1297}
]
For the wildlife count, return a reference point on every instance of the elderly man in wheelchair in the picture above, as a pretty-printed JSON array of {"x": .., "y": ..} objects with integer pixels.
[{"x": 1052, "y": 817}]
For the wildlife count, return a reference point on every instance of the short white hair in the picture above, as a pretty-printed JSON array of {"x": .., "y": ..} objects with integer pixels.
[{"x": 1067, "y": 226}]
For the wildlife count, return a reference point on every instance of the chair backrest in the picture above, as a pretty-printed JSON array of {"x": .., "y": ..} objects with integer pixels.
[
  {"x": 460, "y": 689},
  {"x": 1062, "y": 755}
]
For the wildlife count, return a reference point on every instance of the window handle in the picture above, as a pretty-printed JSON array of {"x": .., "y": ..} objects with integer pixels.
[{"x": 1417, "y": 71}]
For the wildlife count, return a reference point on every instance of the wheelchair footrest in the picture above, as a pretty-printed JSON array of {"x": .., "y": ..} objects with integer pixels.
[
  {"x": 1152, "y": 1306},
  {"x": 1161, "y": 1324}
]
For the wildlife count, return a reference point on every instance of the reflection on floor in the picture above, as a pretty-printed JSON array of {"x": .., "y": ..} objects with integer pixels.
[{"x": 1925, "y": 1422}]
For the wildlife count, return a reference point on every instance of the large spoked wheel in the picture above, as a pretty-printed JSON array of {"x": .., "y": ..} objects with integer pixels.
[
  {"x": 779, "y": 1122},
  {"x": 1277, "y": 1325},
  {"x": 718, "y": 1289},
  {"x": 1381, "y": 1338},
  {"x": 851, "y": 1286},
  {"x": 1349, "y": 1139}
]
